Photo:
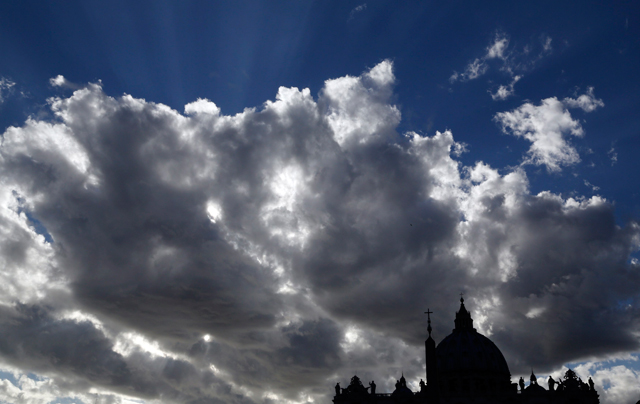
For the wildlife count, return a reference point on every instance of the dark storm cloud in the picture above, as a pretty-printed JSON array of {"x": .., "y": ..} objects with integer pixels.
[
  {"x": 267, "y": 252},
  {"x": 81, "y": 356},
  {"x": 33, "y": 339},
  {"x": 136, "y": 242},
  {"x": 286, "y": 359},
  {"x": 572, "y": 292}
]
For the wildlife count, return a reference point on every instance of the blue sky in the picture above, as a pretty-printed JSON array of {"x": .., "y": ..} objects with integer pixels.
[
  {"x": 240, "y": 53},
  {"x": 504, "y": 135}
]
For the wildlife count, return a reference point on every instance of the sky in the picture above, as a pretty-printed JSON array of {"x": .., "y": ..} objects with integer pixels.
[{"x": 247, "y": 202}]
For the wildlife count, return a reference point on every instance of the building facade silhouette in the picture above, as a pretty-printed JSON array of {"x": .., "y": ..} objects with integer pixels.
[{"x": 467, "y": 367}]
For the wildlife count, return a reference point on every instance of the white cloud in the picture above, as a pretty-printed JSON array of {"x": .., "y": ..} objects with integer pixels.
[
  {"x": 590, "y": 185},
  {"x": 202, "y": 106},
  {"x": 357, "y": 9},
  {"x": 350, "y": 122},
  {"x": 588, "y": 102},
  {"x": 623, "y": 384},
  {"x": 61, "y": 81},
  {"x": 498, "y": 48},
  {"x": 5, "y": 87},
  {"x": 28, "y": 390},
  {"x": 503, "y": 92},
  {"x": 545, "y": 126},
  {"x": 475, "y": 69},
  {"x": 615, "y": 382},
  {"x": 613, "y": 155},
  {"x": 546, "y": 46},
  {"x": 512, "y": 62},
  {"x": 57, "y": 81}
]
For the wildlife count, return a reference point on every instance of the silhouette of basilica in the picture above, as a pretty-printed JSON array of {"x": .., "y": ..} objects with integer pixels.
[{"x": 466, "y": 367}]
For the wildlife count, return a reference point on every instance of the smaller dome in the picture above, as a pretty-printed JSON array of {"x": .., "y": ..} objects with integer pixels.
[
  {"x": 402, "y": 391},
  {"x": 535, "y": 389}
]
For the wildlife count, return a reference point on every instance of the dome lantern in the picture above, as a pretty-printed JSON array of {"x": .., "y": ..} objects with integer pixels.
[{"x": 463, "y": 319}]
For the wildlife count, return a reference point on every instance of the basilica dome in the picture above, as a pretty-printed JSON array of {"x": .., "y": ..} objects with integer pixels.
[
  {"x": 470, "y": 351},
  {"x": 468, "y": 362}
]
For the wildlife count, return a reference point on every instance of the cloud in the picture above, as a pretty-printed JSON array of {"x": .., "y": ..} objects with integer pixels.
[
  {"x": 590, "y": 185},
  {"x": 264, "y": 256},
  {"x": 497, "y": 49},
  {"x": 588, "y": 102},
  {"x": 613, "y": 155},
  {"x": 357, "y": 10},
  {"x": 353, "y": 125},
  {"x": 475, "y": 69},
  {"x": 546, "y": 127},
  {"x": 512, "y": 62},
  {"x": 623, "y": 383},
  {"x": 62, "y": 82},
  {"x": 546, "y": 46},
  {"x": 6, "y": 86},
  {"x": 80, "y": 355},
  {"x": 504, "y": 92},
  {"x": 615, "y": 378}
]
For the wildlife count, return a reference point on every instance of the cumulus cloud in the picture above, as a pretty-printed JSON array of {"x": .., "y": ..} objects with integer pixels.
[
  {"x": 61, "y": 81},
  {"x": 261, "y": 257},
  {"x": 623, "y": 382},
  {"x": 546, "y": 126},
  {"x": 587, "y": 102}
]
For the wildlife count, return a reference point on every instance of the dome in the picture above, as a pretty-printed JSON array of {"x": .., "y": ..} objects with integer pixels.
[
  {"x": 469, "y": 350},
  {"x": 468, "y": 362}
]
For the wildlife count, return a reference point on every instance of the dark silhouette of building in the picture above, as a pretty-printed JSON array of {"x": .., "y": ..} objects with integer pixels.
[{"x": 467, "y": 367}]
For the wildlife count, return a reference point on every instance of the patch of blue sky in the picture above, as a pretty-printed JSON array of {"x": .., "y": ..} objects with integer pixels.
[
  {"x": 37, "y": 224},
  {"x": 4, "y": 375},
  {"x": 66, "y": 400},
  {"x": 632, "y": 361},
  {"x": 38, "y": 227}
]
